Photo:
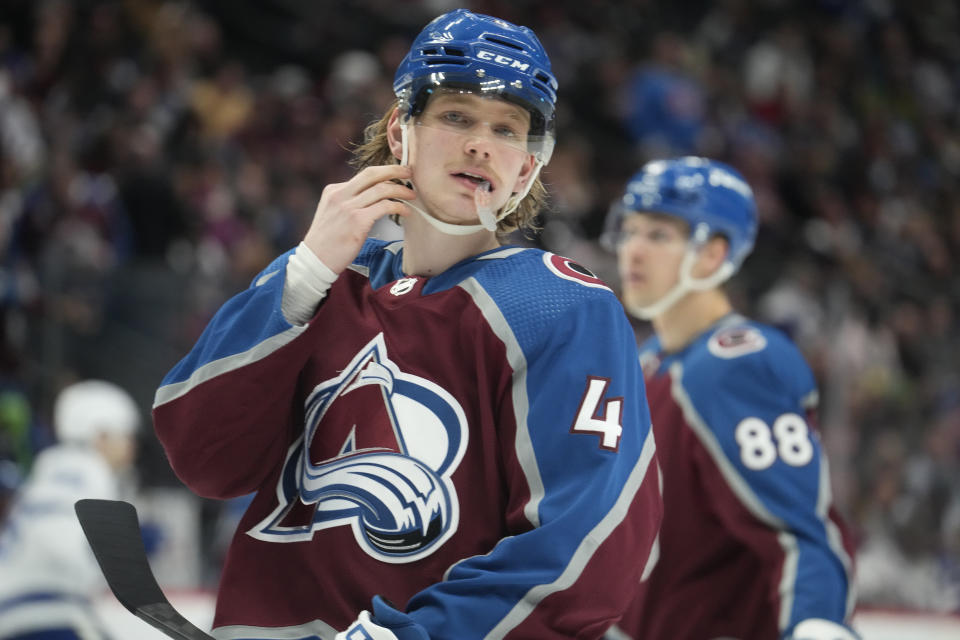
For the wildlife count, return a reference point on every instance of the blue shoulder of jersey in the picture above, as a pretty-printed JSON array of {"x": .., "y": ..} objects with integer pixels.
[
  {"x": 750, "y": 391},
  {"x": 534, "y": 289},
  {"x": 748, "y": 369}
]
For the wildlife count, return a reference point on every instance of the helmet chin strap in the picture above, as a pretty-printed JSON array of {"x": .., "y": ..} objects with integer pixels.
[
  {"x": 685, "y": 284},
  {"x": 485, "y": 216}
]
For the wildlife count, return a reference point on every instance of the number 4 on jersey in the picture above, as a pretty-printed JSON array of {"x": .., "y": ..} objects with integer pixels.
[{"x": 598, "y": 416}]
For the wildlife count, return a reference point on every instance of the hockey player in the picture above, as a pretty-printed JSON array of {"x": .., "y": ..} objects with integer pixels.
[
  {"x": 452, "y": 428},
  {"x": 48, "y": 575},
  {"x": 750, "y": 548}
]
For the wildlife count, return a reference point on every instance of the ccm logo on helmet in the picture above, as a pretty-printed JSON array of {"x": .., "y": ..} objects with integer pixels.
[{"x": 503, "y": 60}]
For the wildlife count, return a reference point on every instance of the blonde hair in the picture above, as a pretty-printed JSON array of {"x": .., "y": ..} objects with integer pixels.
[{"x": 375, "y": 151}]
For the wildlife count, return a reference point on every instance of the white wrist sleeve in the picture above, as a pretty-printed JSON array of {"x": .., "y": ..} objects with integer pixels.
[
  {"x": 365, "y": 629},
  {"x": 821, "y": 629},
  {"x": 306, "y": 284}
]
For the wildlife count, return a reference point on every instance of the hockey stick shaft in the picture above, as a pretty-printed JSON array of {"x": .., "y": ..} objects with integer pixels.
[{"x": 113, "y": 532}]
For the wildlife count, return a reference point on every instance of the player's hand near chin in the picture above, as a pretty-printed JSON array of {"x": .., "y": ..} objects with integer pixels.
[
  {"x": 347, "y": 211},
  {"x": 386, "y": 623}
]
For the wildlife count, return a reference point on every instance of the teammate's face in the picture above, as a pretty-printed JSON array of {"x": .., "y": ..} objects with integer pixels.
[
  {"x": 649, "y": 254},
  {"x": 461, "y": 140}
]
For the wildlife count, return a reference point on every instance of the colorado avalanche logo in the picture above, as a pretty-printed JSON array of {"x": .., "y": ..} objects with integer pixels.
[{"x": 377, "y": 454}]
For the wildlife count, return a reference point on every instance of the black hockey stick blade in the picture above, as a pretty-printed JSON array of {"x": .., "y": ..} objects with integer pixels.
[{"x": 113, "y": 532}]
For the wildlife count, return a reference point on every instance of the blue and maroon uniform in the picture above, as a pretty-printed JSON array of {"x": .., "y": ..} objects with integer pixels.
[
  {"x": 750, "y": 544},
  {"x": 475, "y": 447}
]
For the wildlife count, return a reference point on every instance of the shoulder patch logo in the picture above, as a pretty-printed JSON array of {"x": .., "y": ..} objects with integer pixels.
[
  {"x": 570, "y": 270},
  {"x": 734, "y": 342}
]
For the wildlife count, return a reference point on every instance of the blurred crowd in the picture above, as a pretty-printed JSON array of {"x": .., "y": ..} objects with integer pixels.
[{"x": 156, "y": 154}]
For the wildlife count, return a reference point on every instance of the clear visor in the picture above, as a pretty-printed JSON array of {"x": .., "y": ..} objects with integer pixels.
[
  {"x": 613, "y": 235},
  {"x": 616, "y": 232},
  {"x": 504, "y": 123}
]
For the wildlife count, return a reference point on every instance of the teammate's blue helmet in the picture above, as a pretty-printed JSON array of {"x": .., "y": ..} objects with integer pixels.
[
  {"x": 710, "y": 195},
  {"x": 485, "y": 55}
]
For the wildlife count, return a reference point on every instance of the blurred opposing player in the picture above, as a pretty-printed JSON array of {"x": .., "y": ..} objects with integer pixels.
[
  {"x": 48, "y": 575},
  {"x": 452, "y": 424},
  {"x": 750, "y": 548}
]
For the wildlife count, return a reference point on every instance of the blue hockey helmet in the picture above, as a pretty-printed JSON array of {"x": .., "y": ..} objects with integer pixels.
[
  {"x": 711, "y": 196},
  {"x": 462, "y": 50}
]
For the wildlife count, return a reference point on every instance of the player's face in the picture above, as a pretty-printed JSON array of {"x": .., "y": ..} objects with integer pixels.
[
  {"x": 118, "y": 450},
  {"x": 459, "y": 141},
  {"x": 649, "y": 254}
]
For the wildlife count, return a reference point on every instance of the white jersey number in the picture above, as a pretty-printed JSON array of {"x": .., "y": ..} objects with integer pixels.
[
  {"x": 760, "y": 445},
  {"x": 599, "y": 416}
]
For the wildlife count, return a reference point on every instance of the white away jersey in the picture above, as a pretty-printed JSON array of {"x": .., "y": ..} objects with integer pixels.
[{"x": 48, "y": 573}]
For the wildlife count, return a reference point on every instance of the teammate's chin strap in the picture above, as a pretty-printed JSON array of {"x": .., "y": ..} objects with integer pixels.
[
  {"x": 685, "y": 282},
  {"x": 465, "y": 229}
]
